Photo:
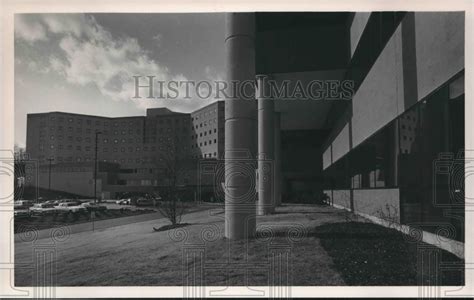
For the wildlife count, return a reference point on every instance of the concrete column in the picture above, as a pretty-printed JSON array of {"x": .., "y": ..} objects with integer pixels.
[
  {"x": 278, "y": 174},
  {"x": 240, "y": 129},
  {"x": 266, "y": 148}
]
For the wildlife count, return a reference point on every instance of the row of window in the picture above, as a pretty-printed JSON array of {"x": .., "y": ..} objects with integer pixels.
[
  {"x": 195, "y": 136},
  {"x": 105, "y": 141},
  {"x": 205, "y": 155},
  {"x": 89, "y": 140},
  {"x": 168, "y": 130},
  {"x": 69, "y": 138},
  {"x": 65, "y": 168},
  {"x": 142, "y": 160},
  {"x": 138, "y": 171},
  {"x": 426, "y": 164},
  {"x": 89, "y": 131},
  {"x": 107, "y": 123},
  {"x": 204, "y": 144},
  {"x": 142, "y": 182},
  {"x": 90, "y": 159},
  {"x": 431, "y": 126},
  {"x": 145, "y": 149},
  {"x": 138, "y": 132},
  {"x": 169, "y": 121},
  {"x": 209, "y": 155},
  {"x": 78, "y": 121},
  {"x": 105, "y": 149},
  {"x": 115, "y": 160}
]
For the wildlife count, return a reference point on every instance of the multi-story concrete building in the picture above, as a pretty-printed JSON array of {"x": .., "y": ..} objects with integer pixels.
[
  {"x": 133, "y": 153},
  {"x": 376, "y": 153},
  {"x": 207, "y": 135}
]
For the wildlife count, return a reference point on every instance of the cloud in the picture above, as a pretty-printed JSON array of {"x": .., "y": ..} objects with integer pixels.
[
  {"x": 108, "y": 63},
  {"x": 39, "y": 27},
  {"x": 212, "y": 74},
  {"x": 88, "y": 54},
  {"x": 158, "y": 38},
  {"x": 29, "y": 29},
  {"x": 66, "y": 23}
]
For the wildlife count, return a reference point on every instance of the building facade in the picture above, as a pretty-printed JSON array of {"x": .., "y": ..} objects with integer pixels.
[
  {"x": 393, "y": 152},
  {"x": 134, "y": 154},
  {"x": 207, "y": 135},
  {"x": 393, "y": 155}
]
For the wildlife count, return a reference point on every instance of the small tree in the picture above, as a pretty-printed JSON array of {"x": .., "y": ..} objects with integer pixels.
[
  {"x": 390, "y": 214},
  {"x": 172, "y": 165}
]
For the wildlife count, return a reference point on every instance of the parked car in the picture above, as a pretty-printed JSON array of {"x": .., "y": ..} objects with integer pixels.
[
  {"x": 90, "y": 206},
  {"x": 58, "y": 201},
  {"x": 123, "y": 201},
  {"x": 67, "y": 207},
  {"x": 42, "y": 209},
  {"x": 22, "y": 204},
  {"x": 21, "y": 213},
  {"x": 144, "y": 202}
]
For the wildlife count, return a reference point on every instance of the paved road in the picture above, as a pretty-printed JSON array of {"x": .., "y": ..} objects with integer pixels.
[{"x": 98, "y": 225}]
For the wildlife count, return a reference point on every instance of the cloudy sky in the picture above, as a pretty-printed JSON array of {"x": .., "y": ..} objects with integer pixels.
[{"x": 84, "y": 63}]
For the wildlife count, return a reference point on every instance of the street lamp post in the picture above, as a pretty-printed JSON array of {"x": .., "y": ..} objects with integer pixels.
[
  {"x": 49, "y": 175},
  {"x": 95, "y": 166}
]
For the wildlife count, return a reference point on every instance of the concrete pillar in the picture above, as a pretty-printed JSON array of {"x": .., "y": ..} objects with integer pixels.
[
  {"x": 278, "y": 172},
  {"x": 266, "y": 148},
  {"x": 240, "y": 129}
]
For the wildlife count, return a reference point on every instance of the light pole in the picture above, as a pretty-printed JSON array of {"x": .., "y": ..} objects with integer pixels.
[
  {"x": 95, "y": 166},
  {"x": 49, "y": 180}
]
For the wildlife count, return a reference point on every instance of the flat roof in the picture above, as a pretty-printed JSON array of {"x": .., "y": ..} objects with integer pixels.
[
  {"x": 82, "y": 115},
  {"x": 207, "y": 106},
  {"x": 162, "y": 111}
]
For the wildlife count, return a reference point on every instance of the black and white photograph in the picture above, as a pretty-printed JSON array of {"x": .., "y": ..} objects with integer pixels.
[{"x": 238, "y": 153}]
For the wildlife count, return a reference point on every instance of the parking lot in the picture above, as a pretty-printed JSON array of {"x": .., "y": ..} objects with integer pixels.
[
  {"x": 53, "y": 220},
  {"x": 38, "y": 216},
  {"x": 105, "y": 214}
]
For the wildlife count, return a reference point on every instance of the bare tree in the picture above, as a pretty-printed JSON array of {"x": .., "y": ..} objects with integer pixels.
[
  {"x": 19, "y": 167},
  {"x": 389, "y": 214},
  {"x": 172, "y": 165}
]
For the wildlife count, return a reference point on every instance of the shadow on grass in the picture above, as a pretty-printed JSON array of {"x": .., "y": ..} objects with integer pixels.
[
  {"x": 370, "y": 254},
  {"x": 304, "y": 212},
  {"x": 170, "y": 226}
]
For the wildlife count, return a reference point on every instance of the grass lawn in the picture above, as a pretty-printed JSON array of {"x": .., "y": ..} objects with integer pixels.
[
  {"x": 370, "y": 254},
  {"x": 299, "y": 245},
  {"x": 50, "y": 221}
]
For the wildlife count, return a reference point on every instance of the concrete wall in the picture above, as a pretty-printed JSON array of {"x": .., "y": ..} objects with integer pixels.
[
  {"x": 381, "y": 203},
  {"x": 340, "y": 145},
  {"x": 439, "y": 48},
  {"x": 425, "y": 51},
  {"x": 80, "y": 183},
  {"x": 341, "y": 198},
  {"x": 380, "y": 97},
  {"x": 327, "y": 158},
  {"x": 357, "y": 28}
]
